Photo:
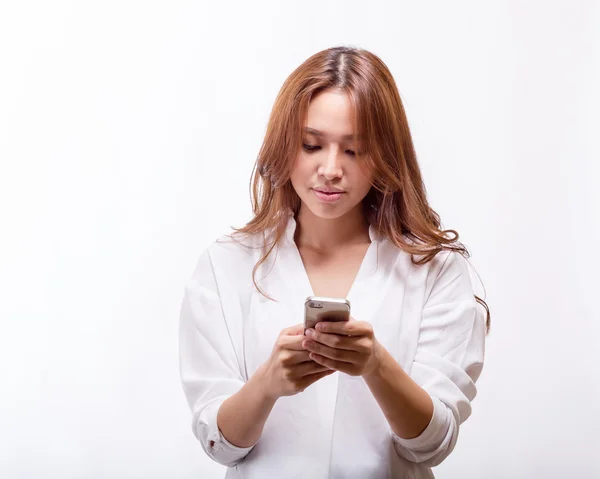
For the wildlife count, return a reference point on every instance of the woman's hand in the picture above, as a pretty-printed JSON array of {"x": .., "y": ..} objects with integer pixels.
[
  {"x": 346, "y": 346},
  {"x": 289, "y": 370}
]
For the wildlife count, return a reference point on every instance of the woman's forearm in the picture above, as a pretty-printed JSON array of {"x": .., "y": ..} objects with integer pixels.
[
  {"x": 241, "y": 417},
  {"x": 407, "y": 407}
]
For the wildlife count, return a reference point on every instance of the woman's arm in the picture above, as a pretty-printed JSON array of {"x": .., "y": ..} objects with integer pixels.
[
  {"x": 352, "y": 348},
  {"x": 425, "y": 409},
  {"x": 407, "y": 407},
  {"x": 448, "y": 360},
  {"x": 241, "y": 417},
  {"x": 229, "y": 412},
  {"x": 209, "y": 367},
  {"x": 288, "y": 371}
]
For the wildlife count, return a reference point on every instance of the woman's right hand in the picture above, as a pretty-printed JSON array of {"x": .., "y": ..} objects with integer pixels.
[{"x": 289, "y": 370}]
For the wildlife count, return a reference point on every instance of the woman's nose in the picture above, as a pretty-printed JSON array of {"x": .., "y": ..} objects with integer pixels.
[{"x": 331, "y": 167}]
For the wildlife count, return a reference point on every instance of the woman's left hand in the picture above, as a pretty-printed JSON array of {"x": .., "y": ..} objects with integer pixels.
[{"x": 347, "y": 346}]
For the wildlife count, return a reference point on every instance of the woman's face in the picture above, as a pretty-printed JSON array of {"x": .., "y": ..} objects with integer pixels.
[{"x": 327, "y": 160}]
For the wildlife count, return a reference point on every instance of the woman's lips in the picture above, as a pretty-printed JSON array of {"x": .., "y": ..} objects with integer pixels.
[{"x": 328, "y": 197}]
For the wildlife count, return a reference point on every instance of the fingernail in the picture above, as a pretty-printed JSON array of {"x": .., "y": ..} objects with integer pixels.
[{"x": 310, "y": 332}]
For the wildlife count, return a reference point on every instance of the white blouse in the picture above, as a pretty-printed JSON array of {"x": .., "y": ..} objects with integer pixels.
[{"x": 425, "y": 316}]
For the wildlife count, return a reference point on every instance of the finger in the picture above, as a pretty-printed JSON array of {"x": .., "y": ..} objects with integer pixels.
[
  {"x": 346, "y": 328},
  {"x": 343, "y": 355},
  {"x": 313, "y": 378},
  {"x": 308, "y": 368},
  {"x": 291, "y": 358},
  {"x": 336, "y": 340},
  {"x": 293, "y": 343},
  {"x": 331, "y": 363},
  {"x": 293, "y": 330}
]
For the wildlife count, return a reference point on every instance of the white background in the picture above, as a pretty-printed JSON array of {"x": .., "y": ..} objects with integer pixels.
[{"x": 128, "y": 131}]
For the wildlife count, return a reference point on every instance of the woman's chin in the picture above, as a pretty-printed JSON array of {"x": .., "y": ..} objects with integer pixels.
[{"x": 327, "y": 211}]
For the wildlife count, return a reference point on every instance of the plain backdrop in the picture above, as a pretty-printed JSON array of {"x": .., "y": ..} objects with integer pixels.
[{"x": 128, "y": 132}]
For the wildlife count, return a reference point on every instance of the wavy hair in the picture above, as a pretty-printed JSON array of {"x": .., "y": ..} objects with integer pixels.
[{"x": 396, "y": 205}]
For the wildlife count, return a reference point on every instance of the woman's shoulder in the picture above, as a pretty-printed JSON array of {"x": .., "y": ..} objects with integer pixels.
[
  {"x": 232, "y": 257},
  {"x": 234, "y": 250},
  {"x": 447, "y": 263}
]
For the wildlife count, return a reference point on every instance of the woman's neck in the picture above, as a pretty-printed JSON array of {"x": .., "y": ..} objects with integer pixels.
[{"x": 325, "y": 235}]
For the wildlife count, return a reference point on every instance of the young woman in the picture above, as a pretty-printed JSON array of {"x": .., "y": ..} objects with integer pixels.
[{"x": 340, "y": 210}]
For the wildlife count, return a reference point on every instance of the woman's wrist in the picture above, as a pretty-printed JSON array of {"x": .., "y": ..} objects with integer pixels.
[
  {"x": 260, "y": 384},
  {"x": 374, "y": 368}
]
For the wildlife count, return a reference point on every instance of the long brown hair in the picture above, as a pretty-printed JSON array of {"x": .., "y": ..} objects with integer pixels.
[{"x": 396, "y": 205}]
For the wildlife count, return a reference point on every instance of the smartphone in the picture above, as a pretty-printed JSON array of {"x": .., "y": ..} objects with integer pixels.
[{"x": 322, "y": 308}]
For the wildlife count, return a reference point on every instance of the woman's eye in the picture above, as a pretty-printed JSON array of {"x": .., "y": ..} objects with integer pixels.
[{"x": 310, "y": 147}]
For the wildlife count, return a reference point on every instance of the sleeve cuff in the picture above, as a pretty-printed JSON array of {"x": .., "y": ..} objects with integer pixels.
[
  {"x": 213, "y": 441},
  {"x": 434, "y": 433}
]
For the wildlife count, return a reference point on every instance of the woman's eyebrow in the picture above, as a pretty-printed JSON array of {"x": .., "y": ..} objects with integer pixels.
[{"x": 319, "y": 133}]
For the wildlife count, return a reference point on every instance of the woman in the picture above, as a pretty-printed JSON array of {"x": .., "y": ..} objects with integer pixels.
[{"x": 339, "y": 210}]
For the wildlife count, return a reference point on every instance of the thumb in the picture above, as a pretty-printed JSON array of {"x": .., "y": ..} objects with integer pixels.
[
  {"x": 298, "y": 329},
  {"x": 294, "y": 330}
]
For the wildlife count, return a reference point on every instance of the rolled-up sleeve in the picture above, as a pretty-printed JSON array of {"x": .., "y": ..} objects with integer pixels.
[
  {"x": 209, "y": 369},
  {"x": 448, "y": 360}
]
